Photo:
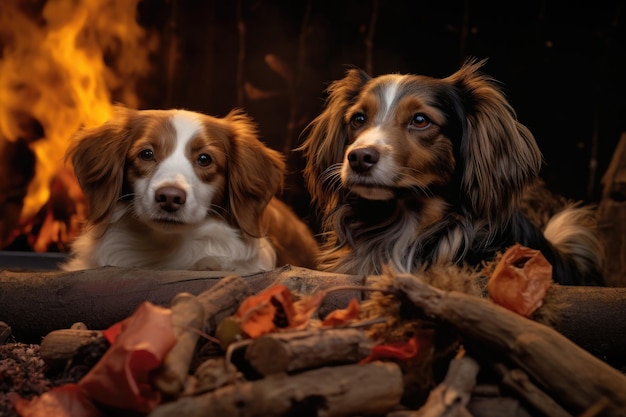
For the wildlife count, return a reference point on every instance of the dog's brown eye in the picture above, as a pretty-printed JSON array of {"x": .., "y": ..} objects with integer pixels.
[
  {"x": 420, "y": 121},
  {"x": 204, "y": 160},
  {"x": 357, "y": 120},
  {"x": 146, "y": 155}
]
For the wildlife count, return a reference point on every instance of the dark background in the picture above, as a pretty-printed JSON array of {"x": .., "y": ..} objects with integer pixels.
[{"x": 561, "y": 65}]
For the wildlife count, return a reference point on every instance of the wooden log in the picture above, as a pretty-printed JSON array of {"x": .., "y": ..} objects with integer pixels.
[
  {"x": 103, "y": 296},
  {"x": 223, "y": 300},
  {"x": 451, "y": 396},
  {"x": 188, "y": 321},
  {"x": 339, "y": 391},
  {"x": 547, "y": 356},
  {"x": 517, "y": 381},
  {"x": 61, "y": 345},
  {"x": 595, "y": 319},
  {"x": 300, "y": 350}
]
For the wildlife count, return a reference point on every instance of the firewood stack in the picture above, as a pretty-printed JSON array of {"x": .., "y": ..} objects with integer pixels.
[{"x": 411, "y": 349}]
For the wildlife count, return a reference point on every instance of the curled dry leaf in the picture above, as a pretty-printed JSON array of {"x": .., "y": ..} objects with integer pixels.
[
  {"x": 121, "y": 379},
  {"x": 274, "y": 309},
  {"x": 520, "y": 280},
  {"x": 266, "y": 311},
  {"x": 343, "y": 316}
]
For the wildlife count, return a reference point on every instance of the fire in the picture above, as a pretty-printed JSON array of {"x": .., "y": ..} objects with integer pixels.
[{"x": 61, "y": 68}]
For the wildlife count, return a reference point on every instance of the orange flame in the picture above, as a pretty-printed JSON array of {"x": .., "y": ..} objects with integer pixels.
[{"x": 60, "y": 66}]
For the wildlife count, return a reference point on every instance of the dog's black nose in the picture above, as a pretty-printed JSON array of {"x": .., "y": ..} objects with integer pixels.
[
  {"x": 362, "y": 159},
  {"x": 170, "y": 198}
]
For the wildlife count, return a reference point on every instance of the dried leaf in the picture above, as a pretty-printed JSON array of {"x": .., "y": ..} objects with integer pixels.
[
  {"x": 306, "y": 307},
  {"x": 520, "y": 280},
  {"x": 266, "y": 311},
  {"x": 121, "y": 379},
  {"x": 343, "y": 316}
]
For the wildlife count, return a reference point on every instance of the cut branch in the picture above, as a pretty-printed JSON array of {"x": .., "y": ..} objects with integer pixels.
[
  {"x": 295, "y": 351},
  {"x": 103, "y": 296},
  {"x": 223, "y": 300},
  {"x": 449, "y": 398},
  {"x": 547, "y": 356},
  {"x": 188, "y": 321},
  {"x": 349, "y": 390}
]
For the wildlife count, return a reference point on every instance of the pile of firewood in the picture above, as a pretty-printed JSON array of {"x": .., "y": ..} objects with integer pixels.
[{"x": 472, "y": 358}]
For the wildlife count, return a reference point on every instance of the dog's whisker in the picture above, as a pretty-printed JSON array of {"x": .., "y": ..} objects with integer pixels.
[
  {"x": 332, "y": 177},
  {"x": 127, "y": 195},
  {"x": 218, "y": 211}
]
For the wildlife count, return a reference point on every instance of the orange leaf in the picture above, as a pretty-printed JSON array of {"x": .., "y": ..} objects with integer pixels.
[
  {"x": 121, "y": 379},
  {"x": 520, "y": 280},
  {"x": 305, "y": 307},
  {"x": 343, "y": 316},
  {"x": 63, "y": 401},
  {"x": 266, "y": 311}
]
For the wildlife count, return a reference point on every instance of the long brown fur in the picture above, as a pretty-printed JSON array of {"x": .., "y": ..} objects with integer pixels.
[{"x": 410, "y": 170}]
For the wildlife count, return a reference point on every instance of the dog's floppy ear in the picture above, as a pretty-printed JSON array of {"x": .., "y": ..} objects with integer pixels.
[
  {"x": 98, "y": 155},
  {"x": 327, "y": 135},
  {"x": 499, "y": 155},
  {"x": 255, "y": 173}
]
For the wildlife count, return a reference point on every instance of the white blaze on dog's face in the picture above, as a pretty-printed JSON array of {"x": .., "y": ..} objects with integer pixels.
[
  {"x": 395, "y": 139},
  {"x": 176, "y": 169}
]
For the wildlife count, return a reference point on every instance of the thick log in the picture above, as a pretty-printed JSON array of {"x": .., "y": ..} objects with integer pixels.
[
  {"x": 547, "y": 356},
  {"x": 36, "y": 303},
  {"x": 337, "y": 391},
  {"x": 296, "y": 351}
]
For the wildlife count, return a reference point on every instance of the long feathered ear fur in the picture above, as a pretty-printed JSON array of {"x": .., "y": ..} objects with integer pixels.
[
  {"x": 500, "y": 155},
  {"x": 255, "y": 173},
  {"x": 98, "y": 156},
  {"x": 323, "y": 148}
]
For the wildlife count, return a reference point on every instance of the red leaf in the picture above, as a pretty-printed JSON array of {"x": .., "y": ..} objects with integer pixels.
[
  {"x": 266, "y": 311},
  {"x": 343, "y": 316},
  {"x": 64, "y": 401},
  {"x": 417, "y": 347},
  {"x": 121, "y": 378},
  {"x": 520, "y": 280}
]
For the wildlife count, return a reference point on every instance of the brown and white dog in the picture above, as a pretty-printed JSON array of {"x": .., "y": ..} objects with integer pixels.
[
  {"x": 409, "y": 170},
  {"x": 175, "y": 189}
]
